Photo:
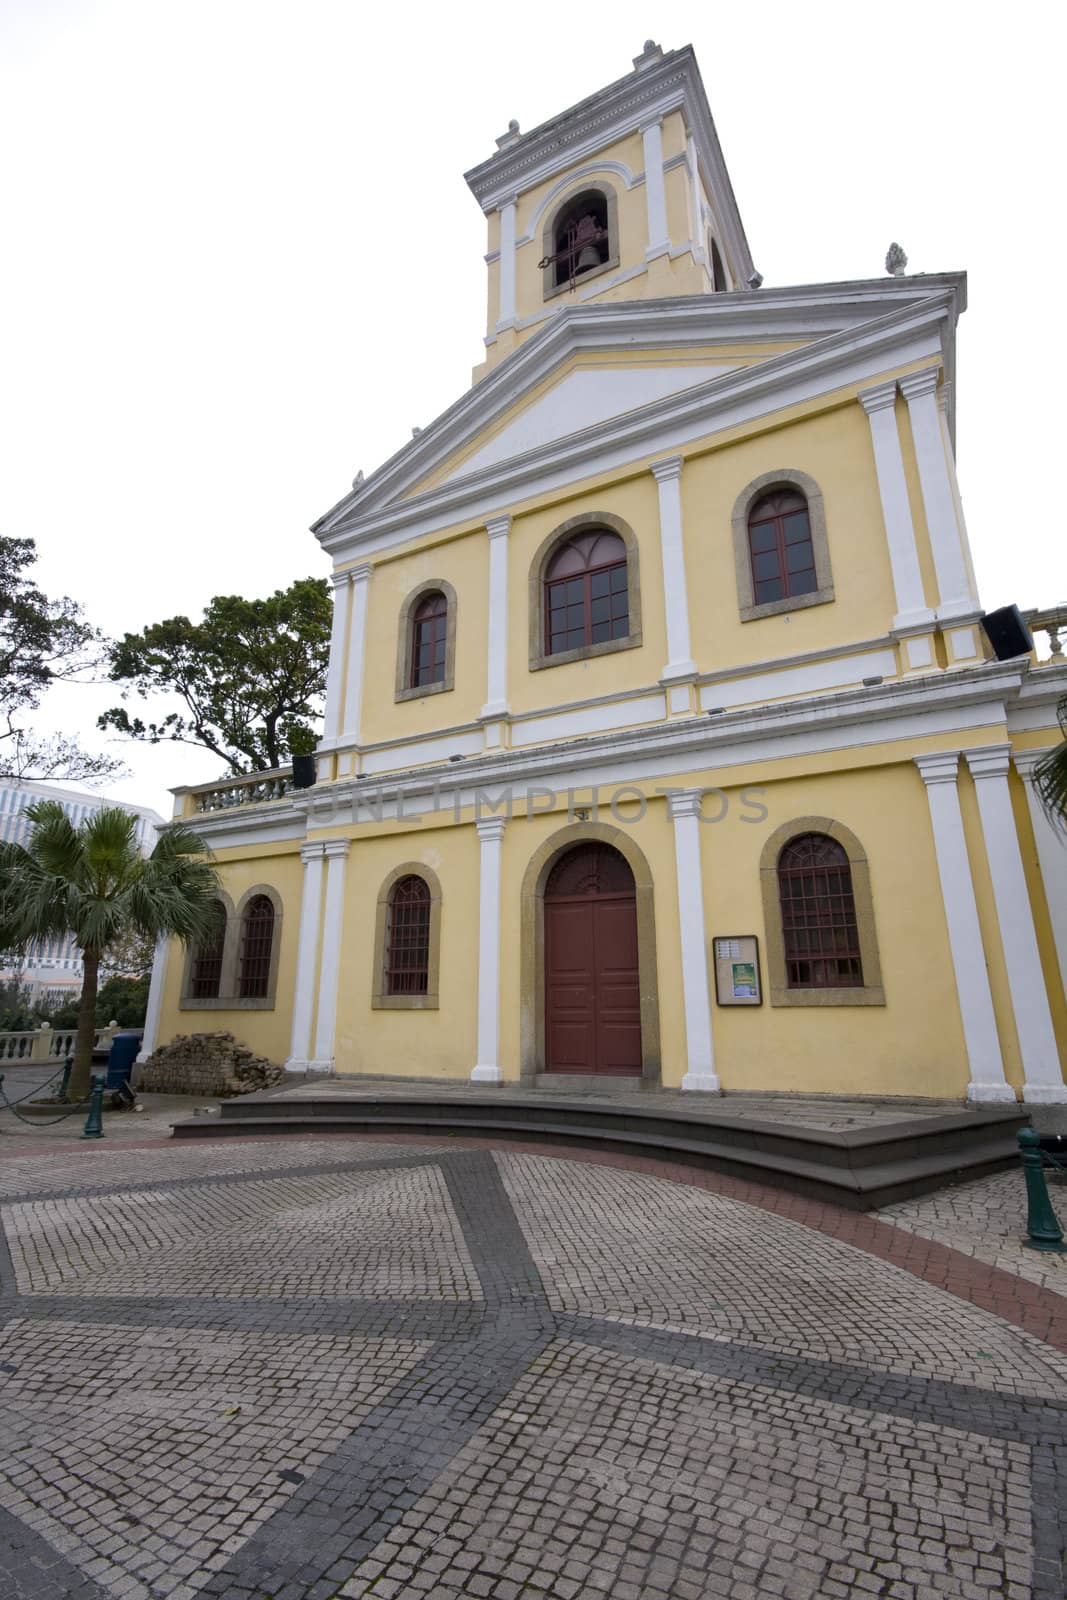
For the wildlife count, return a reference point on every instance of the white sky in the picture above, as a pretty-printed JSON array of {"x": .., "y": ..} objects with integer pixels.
[{"x": 241, "y": 261}]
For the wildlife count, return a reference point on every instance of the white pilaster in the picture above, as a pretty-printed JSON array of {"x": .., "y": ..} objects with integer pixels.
[
  {"x": 1042, "y": 1074},
  {"x": 507, "y": 266},
  {"x": 150, "y": 1037},
  {"x": 668, "y": 476},
  {"x": 496, "y": 703},
  {"x": 335, "y": 672},
  {"x": 490, "y": 835},
  {"x": 334, "y": 852},
  {"x": 879, "y": 404},
  {"x": 307, "y": 950},
  {"x": 940, "y": 774},
  {"x": 700, "y": 1051},
  {"x": 359, "y": 578},
  {"x": 1051, "y": 845},
  {"x": 955, "y": 598},
  {"x": 659, "y": 242},
  {"x": 698, "y": 236}
]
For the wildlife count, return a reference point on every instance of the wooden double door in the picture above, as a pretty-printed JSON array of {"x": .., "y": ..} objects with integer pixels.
[{"x": 592, "y": 985}]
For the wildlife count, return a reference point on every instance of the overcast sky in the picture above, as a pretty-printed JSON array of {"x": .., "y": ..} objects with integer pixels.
[{"x": 240, "y": 261}]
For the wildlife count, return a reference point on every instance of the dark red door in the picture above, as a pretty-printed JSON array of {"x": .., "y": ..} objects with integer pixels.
[{"x": 592, "y": 992}]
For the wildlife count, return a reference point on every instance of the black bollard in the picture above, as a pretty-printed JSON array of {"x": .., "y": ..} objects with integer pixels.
[{"x": 94, "y": 1122}]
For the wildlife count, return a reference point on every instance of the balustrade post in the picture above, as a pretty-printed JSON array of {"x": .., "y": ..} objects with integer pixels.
[{"x": 40, "y": 1047}]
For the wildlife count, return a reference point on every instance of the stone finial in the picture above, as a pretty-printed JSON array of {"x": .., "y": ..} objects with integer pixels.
[
  {"x": 509, "y": 137},
  {"x": 895, "y": 261},
  {"x": 357, "y": 481},
  {"x": 649, "y": 56}
]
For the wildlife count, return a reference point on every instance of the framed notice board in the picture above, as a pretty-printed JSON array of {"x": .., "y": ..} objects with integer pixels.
[{"x": 737, "y": 974}]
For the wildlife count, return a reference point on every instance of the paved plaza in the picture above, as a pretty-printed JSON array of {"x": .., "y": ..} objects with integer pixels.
[{"x": 300, "y": 1369}]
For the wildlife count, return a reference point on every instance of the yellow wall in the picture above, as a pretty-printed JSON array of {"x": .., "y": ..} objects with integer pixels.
[{"x": 266, "y": 1032}]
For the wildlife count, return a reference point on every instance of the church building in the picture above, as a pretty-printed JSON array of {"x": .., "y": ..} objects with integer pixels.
[{"x": 663, "y": 742}]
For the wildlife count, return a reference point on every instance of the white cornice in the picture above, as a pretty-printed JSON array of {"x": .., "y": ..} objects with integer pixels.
[
  {"x": 814, "y": 314},
  {"x": 672, "y": 83},
  {"x": 913, "y": 332}
]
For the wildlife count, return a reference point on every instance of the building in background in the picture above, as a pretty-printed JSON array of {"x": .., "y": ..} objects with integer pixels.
[
  {"x": 663, "y": 741},
  {"x": 52, "y": 970}
]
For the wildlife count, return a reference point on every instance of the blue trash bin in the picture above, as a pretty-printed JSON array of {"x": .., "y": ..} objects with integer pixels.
[{"x": 121, "y": 1057}]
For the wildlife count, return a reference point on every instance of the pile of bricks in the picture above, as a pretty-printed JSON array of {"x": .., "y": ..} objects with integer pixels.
[{"x": 211, "y": 1064}]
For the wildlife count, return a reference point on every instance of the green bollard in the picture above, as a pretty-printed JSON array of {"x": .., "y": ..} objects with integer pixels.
[
  {"x": 1043, "y": 1231},
  {"x": 94, "y": 1122},
  {"x": 67, "y": 1065}
]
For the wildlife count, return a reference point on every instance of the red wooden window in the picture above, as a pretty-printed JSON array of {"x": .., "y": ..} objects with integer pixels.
[
  {"x": 822, "y": 947},
  {"x": 779, "y": 542},
  {"x": 428, "y": 633},
  {"x": 407, "y": 944},
  {"x": 257, "y": 938},
  {"x": 207, "y": 960},
  {"x": 586, "y": 596}
]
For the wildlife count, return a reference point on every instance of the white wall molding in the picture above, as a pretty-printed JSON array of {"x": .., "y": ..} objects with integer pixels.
[
  {"x": 307, "y": 951},
  {"x": 496, "y": 699},
  {"x": 359, "y": 579},
  {"x": 334, "y": 852},
  {"x": 879, "y": 404},
  {"x": 154, "y": 1011},
  {"x": 659, "y": 238},
  {"x": 684, "y": 807},
  {"x": 335, "y": 673},
  {"x": 1044, "y": 1084},
  {"x": 506, "y": 318},
  {"x": 1051, "y": 844},
  {"x": 988, "y": 1083},
  {"x": 490, "y": 839},
  {"x": 668, "y": 476},
  {"x": 956, "y": 596}
]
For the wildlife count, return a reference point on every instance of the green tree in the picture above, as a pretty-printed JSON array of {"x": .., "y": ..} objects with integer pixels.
[
  {"x": 250, "y": 676},
  {"x": 42, "y": 642},
  {"x": 92, "y": 881},
  {"x": 1050, "y": 774},
  {"x": 122, "y": 1000}
]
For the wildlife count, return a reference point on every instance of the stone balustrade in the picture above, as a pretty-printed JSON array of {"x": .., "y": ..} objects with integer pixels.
[
  {"x": 253, "y": 789},
  {"x": 1053, "y": 622},
  {"x": 46, "y": 1043}
]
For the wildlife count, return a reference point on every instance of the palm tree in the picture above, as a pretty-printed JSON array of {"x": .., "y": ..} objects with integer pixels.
[
  {"x": 93, "y": 881},
  {"x": 1050, "y": 774}
]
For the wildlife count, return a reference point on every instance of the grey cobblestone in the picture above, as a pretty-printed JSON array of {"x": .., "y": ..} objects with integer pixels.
[{"x": 394, "y": 1373}]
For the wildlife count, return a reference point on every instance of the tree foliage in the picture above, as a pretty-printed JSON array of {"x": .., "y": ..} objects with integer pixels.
[
  {"x": 251, "y": 676},
  {"x": 93, "y": 882},
  {"x": 1050, "y": 774},
  {"x": 42, "y": 642}
]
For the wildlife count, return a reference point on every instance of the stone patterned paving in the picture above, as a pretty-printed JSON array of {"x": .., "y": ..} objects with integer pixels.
[
  {"x": 250, "y": 1383},
  {"x": 987, "y": 1220},
  {"x": 727, "y": 1271}
]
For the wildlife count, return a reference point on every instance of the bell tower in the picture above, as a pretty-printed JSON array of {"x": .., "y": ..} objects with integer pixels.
[{"x": 625, "y": 196}]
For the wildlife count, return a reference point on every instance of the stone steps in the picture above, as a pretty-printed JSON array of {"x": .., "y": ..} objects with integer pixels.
[{"x": 861, "y": 1168}]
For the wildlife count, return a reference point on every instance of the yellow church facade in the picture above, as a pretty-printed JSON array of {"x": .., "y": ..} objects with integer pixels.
[{"x": 663, "y": 744}]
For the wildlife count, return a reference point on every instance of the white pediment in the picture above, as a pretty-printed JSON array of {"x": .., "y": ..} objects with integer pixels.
[{"x": 581, "y": 400}]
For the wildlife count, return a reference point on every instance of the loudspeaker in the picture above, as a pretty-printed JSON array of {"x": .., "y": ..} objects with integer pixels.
[
  {"x": 303, "y": 772},
  {"x": 1007, "y": 633}
]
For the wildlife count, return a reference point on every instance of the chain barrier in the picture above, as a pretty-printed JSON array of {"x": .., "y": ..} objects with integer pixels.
[{"x": 35, "y": 1121}]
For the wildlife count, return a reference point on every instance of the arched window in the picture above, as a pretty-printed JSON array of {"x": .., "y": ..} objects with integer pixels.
[
  {"x": 580, "y": 239},
  {"x": 586, "y": 592},
  {"x": 429, "y": 631},
  {"x": 257, "y": 940},
  {"x": 819, "y": 926},
  {"x": 206, "y": 975},
  {"x": 407, "y": 937},
  {"x": 780, "y": 547}
]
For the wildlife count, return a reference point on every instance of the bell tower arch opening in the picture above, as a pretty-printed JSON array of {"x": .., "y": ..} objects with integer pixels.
[{"x": 579, "y": 239}]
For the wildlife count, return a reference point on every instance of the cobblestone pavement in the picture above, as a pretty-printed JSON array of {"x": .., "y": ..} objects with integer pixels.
[
  {"x": 986, "y": 1219},
  {"x": 312, "y": 1369}
]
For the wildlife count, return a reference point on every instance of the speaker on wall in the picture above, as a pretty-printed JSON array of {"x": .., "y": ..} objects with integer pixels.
[
  {"x": 303, "y": 772},
  {"x": 1007, "y": 633}
]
